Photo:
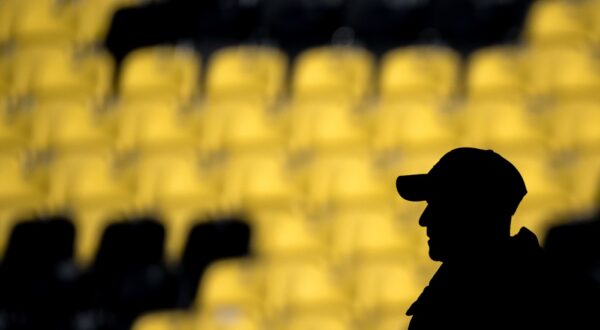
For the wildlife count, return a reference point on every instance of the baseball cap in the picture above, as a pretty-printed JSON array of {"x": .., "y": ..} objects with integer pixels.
[{"x": 468, "y": 175}]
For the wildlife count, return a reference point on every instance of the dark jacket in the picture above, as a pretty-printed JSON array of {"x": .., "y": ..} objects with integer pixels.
[{"x": 509, "y": 288}]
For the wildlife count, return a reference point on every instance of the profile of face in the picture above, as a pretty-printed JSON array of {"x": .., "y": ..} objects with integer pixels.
[{"x": 452, "y": 229}]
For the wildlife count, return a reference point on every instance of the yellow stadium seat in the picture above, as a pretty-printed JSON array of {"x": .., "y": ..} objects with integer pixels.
[
  {"x": 64, "y": 127},
  {"x": 86, "y": 76},
  {"x": 286, "y": 235},
  {"x": 91, "y": 188},
  {"x": 584, "y": 182},
  {"x": 332, "y": 73},
  {"x": 238, "y": 127},
  {"x": 19, "y": 196},
  {"x": 576, "y": 126},
  {"x": 5, "y": 79},
  {"x": 13, "y": 141},
  {"x": 344, "y": 181},
  {"x": 229, "y": 284},
  {"x": 323, "y": 320},
  {"x": 495, "y": 72},
  {"x": 165, "y": 320},
  {"x": 592, "y": 10},
  {"x": 7, "y": 12},
  {"x": 229, "y": 319},
  {"x": 369, "y": 235},
  {"x": 384, "y": 286},
  {"x": 389, "y": 321},
  {"x": 148, "y": 127},
  {"x": 24, "y": 63},
  {"x": 556, "y": 23},
  {"x": 258, "y": 181},
  {"x": 93, "y": 19},
  {"x": 178, "y": 188},
  {"x": 304, "y": 286},
  {"x": 411, "y": 127},
  {"x": 43, "y": 21},
  {"x": 246, "y": 72},
  {"x": 166, "y": 73},
  {"x": 503, "y": 125},
  {"x": 419, "y": 72},
  {"x": 325, "y": 127}
]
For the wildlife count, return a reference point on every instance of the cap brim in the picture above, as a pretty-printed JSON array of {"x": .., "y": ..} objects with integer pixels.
[{"x": 414, "y": 188}]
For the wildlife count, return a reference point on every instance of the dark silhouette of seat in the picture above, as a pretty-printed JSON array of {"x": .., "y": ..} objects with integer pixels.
[
  {"x": 208, "y": 242},
  {"x": 488, "y": 279},
  {"x": 37, "y": 275},
  {"x": 128, "y": 276}
]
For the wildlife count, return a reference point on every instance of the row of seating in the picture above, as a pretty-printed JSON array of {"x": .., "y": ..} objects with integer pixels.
[
  {"x": 260, "y": 73},
  {"x": 182, "y": 187}
]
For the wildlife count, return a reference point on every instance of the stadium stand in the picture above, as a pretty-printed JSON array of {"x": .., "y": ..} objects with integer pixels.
[{"x": 230, "y": 164}]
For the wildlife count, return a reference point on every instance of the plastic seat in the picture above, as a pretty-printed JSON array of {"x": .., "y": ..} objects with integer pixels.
[
  {"x": 576, "y": 126},
  {"x": 388, "y": 321},
  {"x": 91, "y": 189},
  {"x": 384, "y": 286},
  {"x": 176, "y": 187},
  {"x": 419, "y": 73},
  {"x": 86, "y": 76},
  {"x": 287, "y": 235},
  {"x": 210, "y": 241},
  {"x": 246, "y": 72},
  {"x": 369, "y": 235},
  {"x": 325, "y": 127},
  {"x": 257, "y": 181},
  {"x": 93, "y": 19},
  {"x": 20, "y": 197},
  {"x": 7, "y": 13},
  {"x": 316, "y": 321},
  {"x": 234, "y": 127},
  {"x": 302, "y": 287},
  {"x": 495, "y": 72},
  {"x": 556, "y": 23},
  {"x": 43, "y": 21},
  {"x": 66, "y": 127},
  {"x": 505, "y": 126},
  {"x": 230, "y": 284},
  {"x": 335, "y": 72},
  {"x": 151, "y": 127},
  {"x": 169, "y": 320},
  {"x": 163, "y": 73},
  {"x": 413, "y": 127},
  {"x": 229, "y": 319}
]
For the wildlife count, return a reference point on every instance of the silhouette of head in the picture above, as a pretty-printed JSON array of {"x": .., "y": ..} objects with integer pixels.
[{"x": 471, "y": 196}]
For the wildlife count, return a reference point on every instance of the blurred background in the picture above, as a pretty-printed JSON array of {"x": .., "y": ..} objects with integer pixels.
[{"x": 231, "y": 164}]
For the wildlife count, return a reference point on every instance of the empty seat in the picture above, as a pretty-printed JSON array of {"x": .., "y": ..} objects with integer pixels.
[
  {"x": 333, "y": 72},
  {"x": 43, "y": 21},
  {"x": 369, "y": 235},
  {"x": 298, "y": 286},
  {"x": 37, "y": 277},
  {"x": 128, "y": 276},
  {"x": 384, "y": 286},
  {"x": 246, "y": 72},
  {"x": 66, "y": 127},
  {"x": 207, "y": 242},
  {"x": 257, "y": 181},
  {"x": 86, "y": 76},
  {"x": 165, "y": 320},
  {"x": 508, "y": 126},
  {"x": 556, "y": 23},
  {"x": 20, "y": 196},
  {"x": 495, "y": 72},
  {"x": 287, "y": 235},
  {"x": 233, "y": 126},
  {"x": 7, "y": 11},
  {"x": 229, "y": 319},
  {"x": 164, "y": 73},
  {"x": 388, "y": 321},
  {"x": 93, "y": 19},
  {"x": 151, "y": 127},
  {"x": 234, "y": 284},
  {"x": 315, "y": 320},
  {"x": 413, "y": 127},
  {"x": 419, "y": 73},
  {"x": 575, "y": 126},
  {"x": 325, "y": 127}
]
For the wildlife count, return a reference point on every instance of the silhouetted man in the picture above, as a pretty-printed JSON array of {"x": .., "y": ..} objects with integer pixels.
[{"x": 488, "y": 279}]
